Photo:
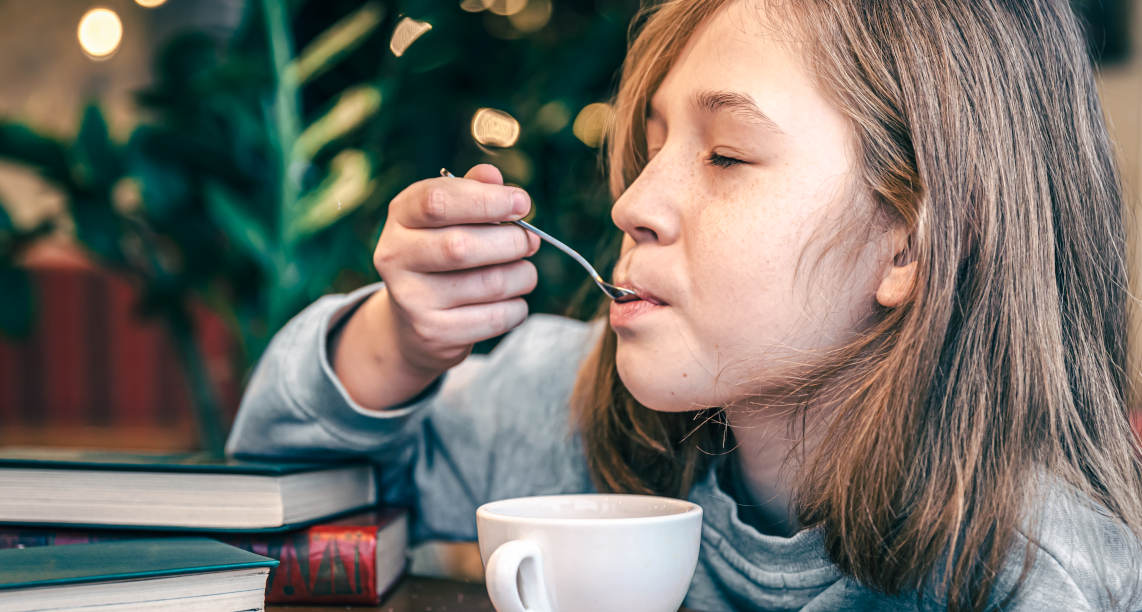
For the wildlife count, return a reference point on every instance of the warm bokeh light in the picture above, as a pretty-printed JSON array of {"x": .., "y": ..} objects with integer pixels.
[
  {"x": 494, "y": 128},
  {"x": 150, "y": 3},
  {"x": 127, "y": 195},
  {"x": 592, "y": 122},
  {"x": 553, "y": 116},
  {"x": 515, "y": 165},
  {"x": 100, "y": 32},
  {"x": 406, "y": 33},
  {"x": 475, "y": 6},
  {"x": 533, "y": 17},
  {"x": 507, "y": 7}
]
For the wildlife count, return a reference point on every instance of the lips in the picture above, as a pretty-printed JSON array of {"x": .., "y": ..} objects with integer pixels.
[{"x": 641, "y": 292}]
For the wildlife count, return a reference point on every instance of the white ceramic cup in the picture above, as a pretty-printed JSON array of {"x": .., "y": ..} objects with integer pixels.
[{"x": 602, "y": 553}]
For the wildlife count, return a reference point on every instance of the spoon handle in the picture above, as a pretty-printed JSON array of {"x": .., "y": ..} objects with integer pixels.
[
  {"x": 615, "y": 293},
  {"x": 552, "y": 240},
  {"x": 555, "y": 242}
]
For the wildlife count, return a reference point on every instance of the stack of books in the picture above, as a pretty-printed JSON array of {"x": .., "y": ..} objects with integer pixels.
[{"x": 309, "y": 532}]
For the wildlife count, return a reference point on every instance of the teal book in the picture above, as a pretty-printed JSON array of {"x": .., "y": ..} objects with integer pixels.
[
  {"x": 160, "y": 573},
  {"x": 191, "y": 491}
]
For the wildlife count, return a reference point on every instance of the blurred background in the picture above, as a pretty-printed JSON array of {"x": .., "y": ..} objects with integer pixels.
[{"x": 180, "y": 177}]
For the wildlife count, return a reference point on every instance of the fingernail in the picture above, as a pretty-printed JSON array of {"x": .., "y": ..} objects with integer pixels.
[{"x": 521, "y": 205}]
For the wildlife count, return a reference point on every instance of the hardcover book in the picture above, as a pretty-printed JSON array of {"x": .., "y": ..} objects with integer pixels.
[
  {"x": 352, "y": 560},
  {"x": 168, "y": 573},
  {"x": 67, "y": 487}
]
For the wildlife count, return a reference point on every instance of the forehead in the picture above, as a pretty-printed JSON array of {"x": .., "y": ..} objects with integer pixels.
[{"x": 747, "y": 47}]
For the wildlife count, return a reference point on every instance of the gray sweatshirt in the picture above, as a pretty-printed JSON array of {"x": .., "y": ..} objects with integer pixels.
[{"x": 498, "y": 426}]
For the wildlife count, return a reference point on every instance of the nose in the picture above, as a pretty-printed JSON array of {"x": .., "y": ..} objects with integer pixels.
[{"x": 648, "y": 210}]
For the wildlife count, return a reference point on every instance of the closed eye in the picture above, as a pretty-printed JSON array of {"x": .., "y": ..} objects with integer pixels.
[{"x": 722, "y": 161}]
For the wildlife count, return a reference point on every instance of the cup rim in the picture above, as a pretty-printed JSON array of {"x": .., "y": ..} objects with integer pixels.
[{"x": 488, "y": 511}]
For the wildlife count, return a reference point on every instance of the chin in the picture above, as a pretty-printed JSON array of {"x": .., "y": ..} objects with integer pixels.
[{"x": 656, "y": 385}]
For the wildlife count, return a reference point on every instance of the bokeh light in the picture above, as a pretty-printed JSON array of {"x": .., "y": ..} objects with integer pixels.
[
  {"x": 100, "y": 32},
  {"x": 533, "y": 17},
  {"x": 553, "y": 117},
  {"x": 475, "y": 6},
  {"x": 507, "y": 7},
  {"x": 150, "y": 3},
  {"x": 591, "y": 123},
  {"x": 406, "y": 33},
  {"x": 515, "y": 165},
  {"x": 494, "y": 128}
]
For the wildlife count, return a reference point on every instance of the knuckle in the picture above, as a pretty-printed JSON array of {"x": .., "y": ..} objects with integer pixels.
[
  {"x": 425, "y": 330},
  {"x": 487, "y": 204},
  {"x": 497, "y": 319},
  {"x": 457, "y": 248},
  {"x": 382, "y": 258},
  {"x": 434, "y": 206},
  {"x": 494, "y": 282}
]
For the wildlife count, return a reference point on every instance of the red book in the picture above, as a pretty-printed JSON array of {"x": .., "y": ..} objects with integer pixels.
[{"x": 352, "y": 560}]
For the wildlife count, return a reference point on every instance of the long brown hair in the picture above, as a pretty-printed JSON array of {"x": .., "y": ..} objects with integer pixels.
[{"x": 978, "y": 126}]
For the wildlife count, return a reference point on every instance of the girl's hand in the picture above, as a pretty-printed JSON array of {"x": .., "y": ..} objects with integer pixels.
[{"x": 454, "y": 276}]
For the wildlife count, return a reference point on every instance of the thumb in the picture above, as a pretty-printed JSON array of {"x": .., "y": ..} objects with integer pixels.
[{"x": 485, "y": 173}]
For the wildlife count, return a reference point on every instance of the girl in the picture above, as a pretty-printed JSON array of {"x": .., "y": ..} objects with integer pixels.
[{"x": 880, "y": 254}]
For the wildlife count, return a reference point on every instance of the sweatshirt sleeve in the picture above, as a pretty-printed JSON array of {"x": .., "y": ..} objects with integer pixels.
[
  {"x": 1085, "y": 557},
  {"x": 295, "y": 406},
  {"x": 494, "y": 426}
]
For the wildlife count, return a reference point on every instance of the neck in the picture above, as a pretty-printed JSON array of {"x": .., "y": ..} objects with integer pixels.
[{"x": 771, "y": 447}]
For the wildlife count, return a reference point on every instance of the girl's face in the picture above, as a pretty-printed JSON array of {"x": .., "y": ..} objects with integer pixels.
[{"x": 749, "y": 175}]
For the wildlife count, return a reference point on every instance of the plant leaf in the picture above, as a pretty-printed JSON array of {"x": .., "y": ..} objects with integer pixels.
[
  {"x": 331, "y": 45},
  {"x": 96, "y": 160},
  {"x": 17, "y": 309},
  {"x": 348, "y": 185},
  {"x": 21, "y": 144},
  {"x": 239, "y": 225},
  {"x": 6, "y": 225},
  {"x": 352, "y": 108}
]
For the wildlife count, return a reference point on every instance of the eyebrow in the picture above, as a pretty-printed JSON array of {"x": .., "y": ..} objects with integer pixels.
[{"x": 736, "y": 103}]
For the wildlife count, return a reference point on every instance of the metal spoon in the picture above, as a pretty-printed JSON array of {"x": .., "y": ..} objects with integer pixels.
[{"x": 618, "y": 294}]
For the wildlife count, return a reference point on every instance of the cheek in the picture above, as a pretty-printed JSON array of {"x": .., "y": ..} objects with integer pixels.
[
  {"x": 743, "y": 264},
  {"x": 762, "y": 301}
]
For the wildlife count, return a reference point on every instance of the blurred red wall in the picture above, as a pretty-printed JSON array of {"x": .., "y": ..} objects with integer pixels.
[{"x": 95, "y": 374}]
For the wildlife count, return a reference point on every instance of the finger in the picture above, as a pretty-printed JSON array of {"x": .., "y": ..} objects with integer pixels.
[
  {"x": 448, "y": 201},
  {"x": 473, "y": 323},
  {"x": 485, "y": 173},
  {"x": 464, "y": 248},
  {"x": 483, "y": 285}
]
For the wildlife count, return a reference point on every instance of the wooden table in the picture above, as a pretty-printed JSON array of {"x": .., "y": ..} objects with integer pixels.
[{"x": 419, "y": 594}]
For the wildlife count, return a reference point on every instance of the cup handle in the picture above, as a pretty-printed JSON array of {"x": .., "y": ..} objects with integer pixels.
[{"x": 505, "y": 564}]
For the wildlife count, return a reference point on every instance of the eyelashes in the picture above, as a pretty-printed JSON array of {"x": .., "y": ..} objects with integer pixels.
[
  {"x": 713, "y": 159},
  {"x": 721, "y": 161}
]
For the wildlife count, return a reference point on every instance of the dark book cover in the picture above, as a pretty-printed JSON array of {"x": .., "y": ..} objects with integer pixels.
[
  {"x": 330, "y": 563},
  {"x": 83, "y": 459},
  {"x": 121, "y": 560}
]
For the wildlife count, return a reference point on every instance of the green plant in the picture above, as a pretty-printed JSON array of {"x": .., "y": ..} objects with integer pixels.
[{"x": 258, "y": 178}]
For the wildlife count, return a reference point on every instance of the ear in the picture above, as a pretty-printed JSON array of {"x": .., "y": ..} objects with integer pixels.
[{"x": 900, "y": 276}]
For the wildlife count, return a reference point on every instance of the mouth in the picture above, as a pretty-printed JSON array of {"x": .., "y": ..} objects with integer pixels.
[{"x": 640, "y": 294}]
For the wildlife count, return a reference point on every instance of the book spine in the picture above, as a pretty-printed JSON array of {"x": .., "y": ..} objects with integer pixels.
[{"x": 322, "y": 564}]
